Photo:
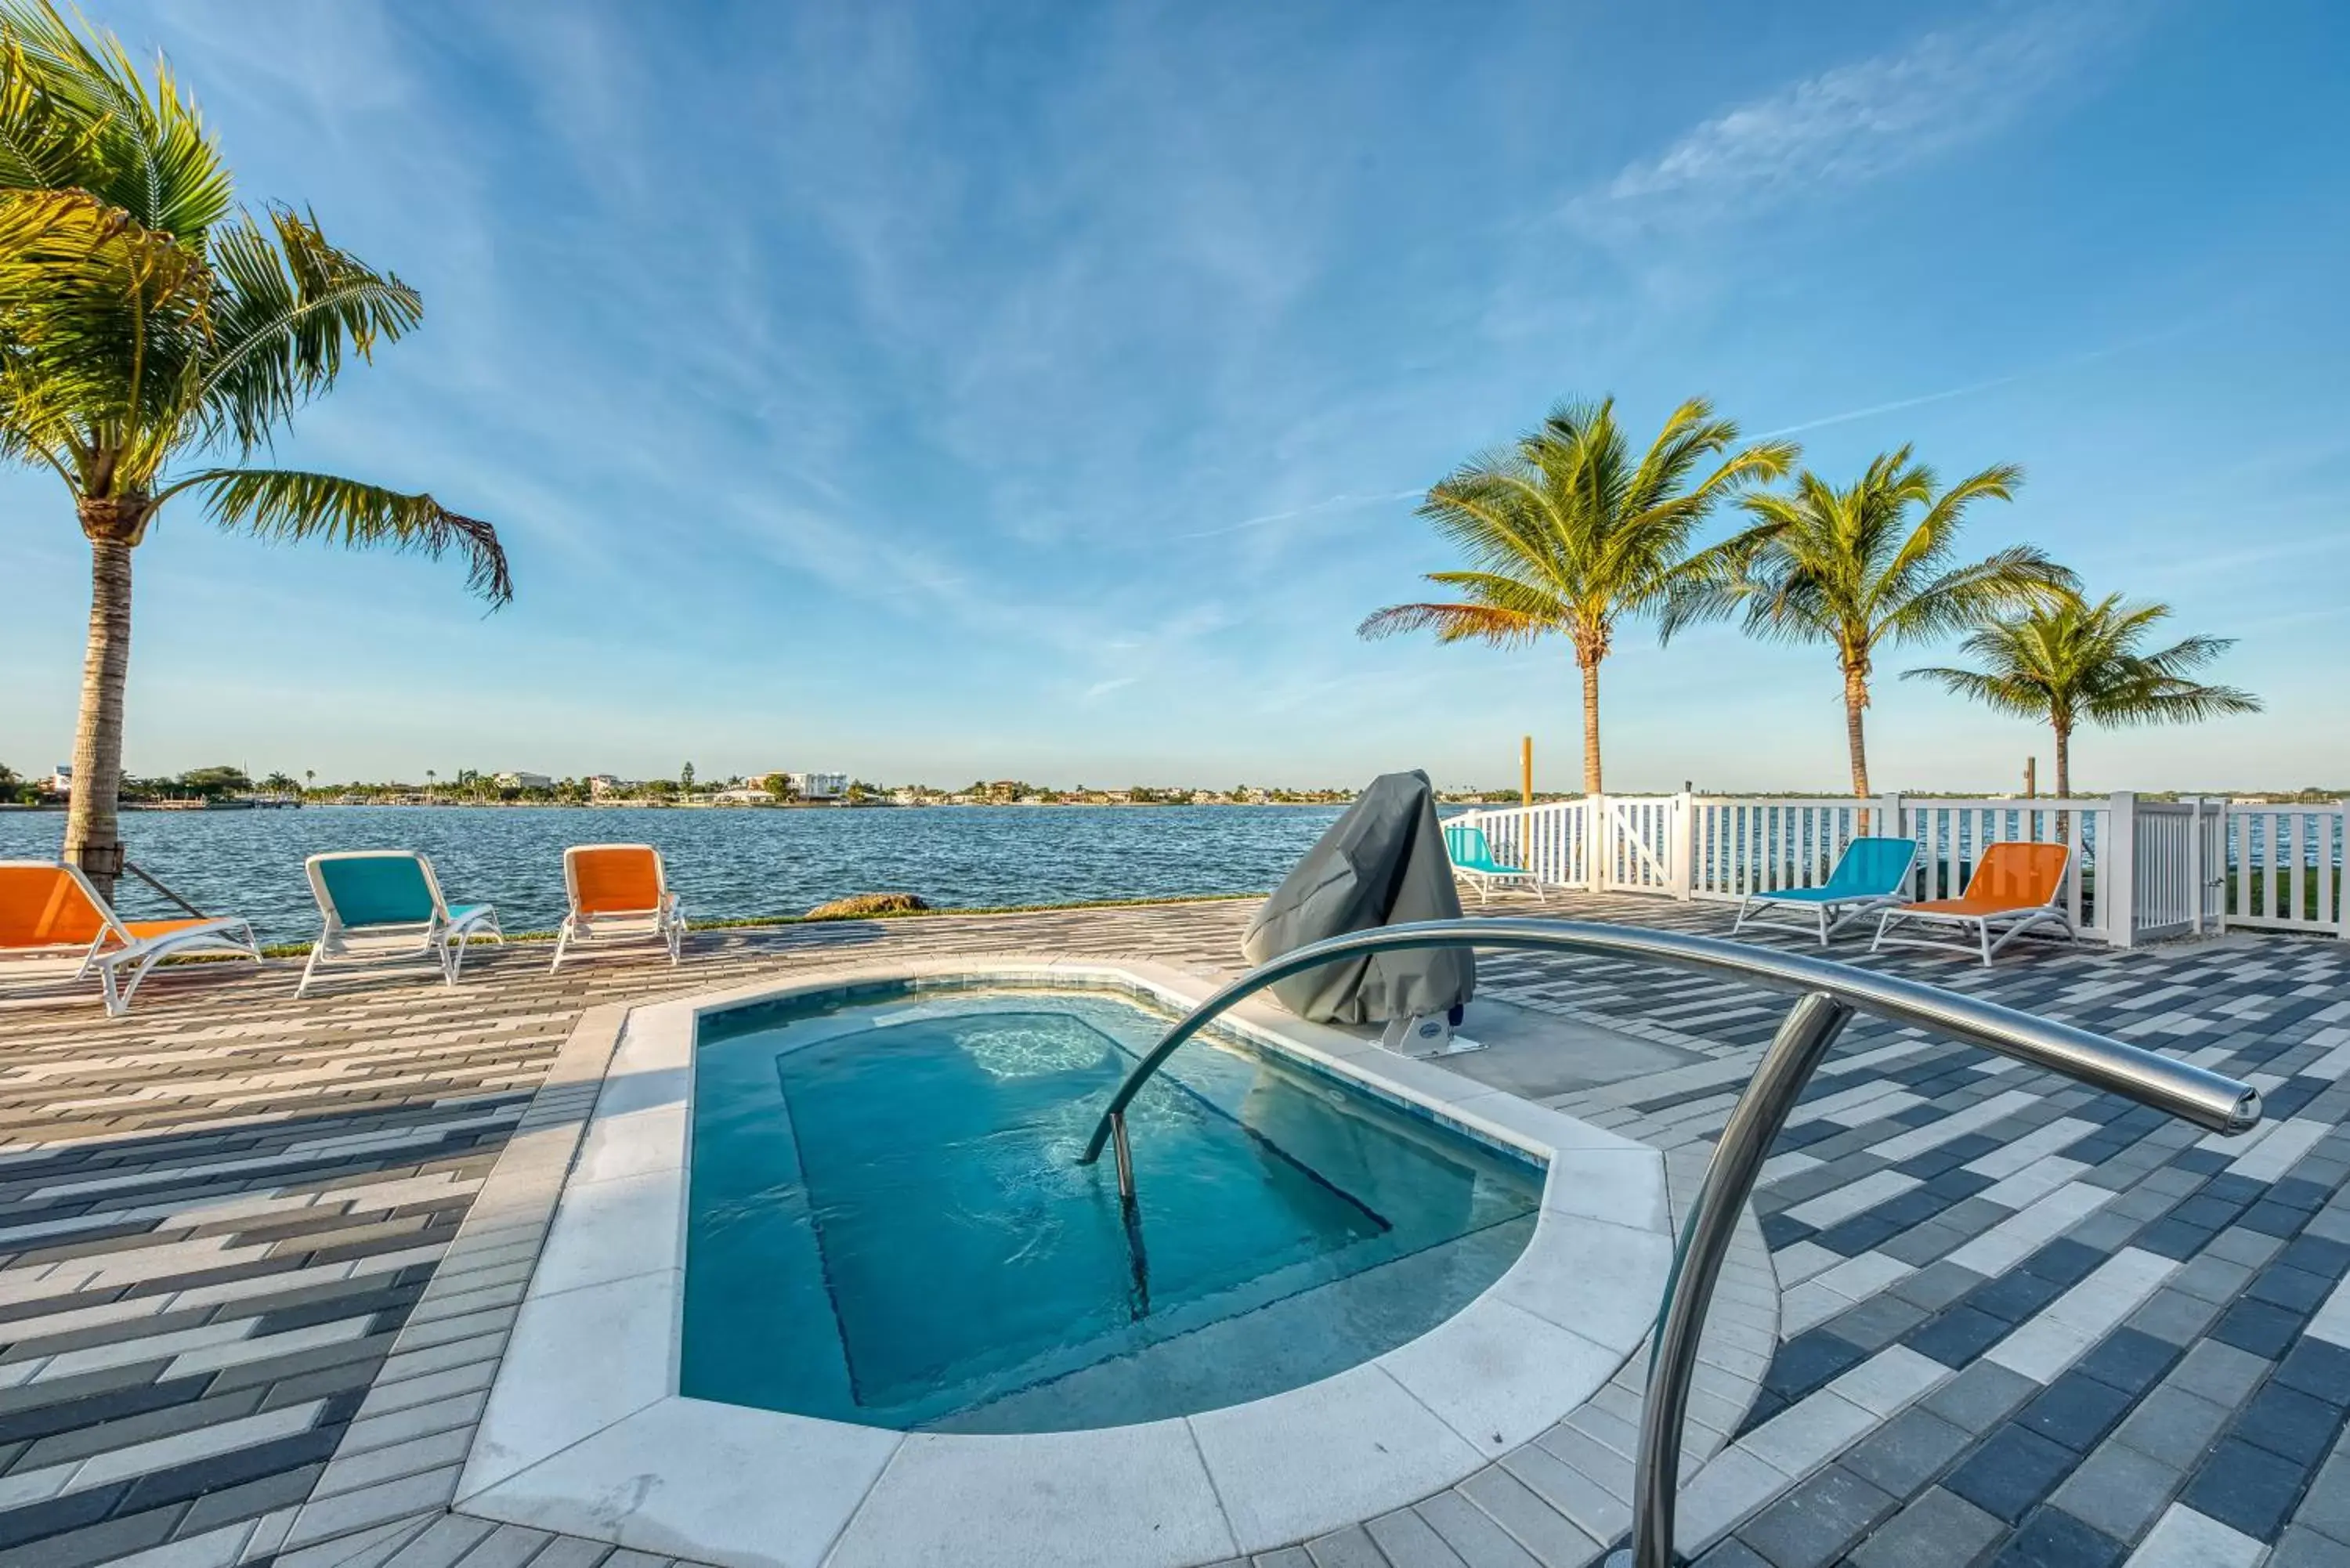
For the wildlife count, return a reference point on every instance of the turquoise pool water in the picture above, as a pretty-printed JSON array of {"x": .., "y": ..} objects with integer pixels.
[{"x": 888, "y": 1223}]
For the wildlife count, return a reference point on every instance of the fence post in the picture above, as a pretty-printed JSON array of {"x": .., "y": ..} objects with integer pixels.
[
  {"x": 2325, "y": 856},
  {"x": 1888, "y": 808},
  {"x": 2117, "y": 871},
  {"x": 1598, "y": 841},
  {"x": 1682, "y": 844}
]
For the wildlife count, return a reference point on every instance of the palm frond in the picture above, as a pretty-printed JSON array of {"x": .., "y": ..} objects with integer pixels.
[
  {"x": 276, "y": 503},
  {"x": 148, "y": 151},
  {"x": 291, "y": 306},
  {"x": 1999, "y": 693},
  {"x": 1453, "y": 623}
]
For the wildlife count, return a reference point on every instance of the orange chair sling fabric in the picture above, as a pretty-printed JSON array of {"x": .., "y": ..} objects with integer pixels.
[
  {"x": 2011, "y": 876},
  {"x": 616, "y": 881},
  {"x": 42, "y": 907}
]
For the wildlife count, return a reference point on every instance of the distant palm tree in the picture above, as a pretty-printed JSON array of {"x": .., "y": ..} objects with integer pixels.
[
  {"x": 1567, "y": 532},
  {"x": 2074, "y": 663},
  {"x": 1868, "y": 565},
  {"x": 151, "y": 330}
]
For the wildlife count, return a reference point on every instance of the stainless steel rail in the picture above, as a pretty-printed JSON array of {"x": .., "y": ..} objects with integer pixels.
[{"x": 1831, "y": 993}]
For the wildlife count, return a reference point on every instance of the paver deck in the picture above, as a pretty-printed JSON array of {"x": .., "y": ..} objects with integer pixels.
[{"x": 2021, "y": 1322}]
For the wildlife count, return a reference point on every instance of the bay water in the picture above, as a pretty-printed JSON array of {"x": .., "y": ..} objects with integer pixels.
[{"x": 726, "y": 863}]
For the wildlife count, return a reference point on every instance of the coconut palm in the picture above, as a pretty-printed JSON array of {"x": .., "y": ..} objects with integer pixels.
[
  {"x": 2072, "y": 663},
  {"x": 1567, "y": 532},
  {"x": 1869, "y": 566},
  {"x": 154, "y": 336}
]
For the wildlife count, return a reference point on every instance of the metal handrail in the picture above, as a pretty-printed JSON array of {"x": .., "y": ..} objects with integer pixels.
[{"x": 1832, "y": 993}]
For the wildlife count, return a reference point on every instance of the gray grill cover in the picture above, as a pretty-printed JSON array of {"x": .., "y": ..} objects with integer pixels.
[{"x": 1382, "y": 864}]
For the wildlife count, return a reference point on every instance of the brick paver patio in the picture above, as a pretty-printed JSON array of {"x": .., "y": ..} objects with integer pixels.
[{"x": 2021, "y": 1322}]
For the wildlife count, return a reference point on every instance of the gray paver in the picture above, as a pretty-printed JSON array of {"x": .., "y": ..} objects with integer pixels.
[
  {"x": 2120, "y": 1490},
  {"x": 1408, "y": 1541}
]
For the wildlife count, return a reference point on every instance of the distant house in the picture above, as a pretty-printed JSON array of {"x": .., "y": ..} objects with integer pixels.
[
  {"x": 523, "y": 781},
  {"x": 819, "y": 787},
  {"x": 601, "y": 784},
  {"x": 60, "y": 782}
]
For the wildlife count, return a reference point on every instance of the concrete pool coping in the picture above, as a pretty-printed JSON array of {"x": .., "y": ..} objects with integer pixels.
[{"x": 586, "y": 1433}]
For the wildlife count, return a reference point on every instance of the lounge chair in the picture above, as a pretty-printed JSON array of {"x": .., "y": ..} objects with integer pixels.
[
  {"x": 386, "y": 903},
  {"x": 1473, "y": 862},
  {"x": 1871, "y": 874},
  {"x": 49, "y": 911},
  {"x": 2014, "y": 889},
  {"x": 618, "y": 890}
]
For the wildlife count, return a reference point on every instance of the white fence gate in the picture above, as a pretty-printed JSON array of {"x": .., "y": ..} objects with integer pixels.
[
  {"x": 2139, "y": 870},
  {"x": 2284, "y": 868}
]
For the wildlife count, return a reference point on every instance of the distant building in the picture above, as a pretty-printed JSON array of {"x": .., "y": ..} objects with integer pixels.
[
  {"x": 602, "y": 784},
  {"x": 819, "y": 787},
  {"x": 60, "y": 780},
  {"x": 523, "y": 781}
]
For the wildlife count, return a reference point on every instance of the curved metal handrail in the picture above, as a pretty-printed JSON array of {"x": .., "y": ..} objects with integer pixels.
[
  {"x": 2203, "y": 1097},
  {"x": 1832, "y": 993}
]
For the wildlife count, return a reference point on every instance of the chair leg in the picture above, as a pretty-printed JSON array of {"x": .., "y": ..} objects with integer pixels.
[
  {"x": 139, "y": 973},
  {"x": 318, "y": 952},
  {"x": 562, "y": 941},
  {"x": 116, "y": 1002},
  {"x": 1985, "y": 927}
]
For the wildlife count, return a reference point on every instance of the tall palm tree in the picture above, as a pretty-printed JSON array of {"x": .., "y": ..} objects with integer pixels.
[
  {"x": 2074, "y": 663},
  {"x": 1567, "y": 532},
  {"x": 154, "y": 336},
  {"x": 1869, "y": 566}
]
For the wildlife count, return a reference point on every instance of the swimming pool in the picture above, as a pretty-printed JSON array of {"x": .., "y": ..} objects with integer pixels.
[
  {"x": 888, "y": 1223},
  {"x": 682, "y": 1322}
]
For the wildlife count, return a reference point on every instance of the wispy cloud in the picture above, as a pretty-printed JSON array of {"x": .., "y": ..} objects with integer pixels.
[
  {"x": 2029, "y": 373},
  {"x": 1335, "y": 503},
  {"x": 1853, "y": 122}
]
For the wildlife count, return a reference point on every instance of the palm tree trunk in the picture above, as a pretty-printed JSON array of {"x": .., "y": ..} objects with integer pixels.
[
  {"x": 1590, "y": 666},
  {"x": 1856, "y": 700},
  {"x": 93, "y": 837},
  {"x": 2063, "y": 762}
]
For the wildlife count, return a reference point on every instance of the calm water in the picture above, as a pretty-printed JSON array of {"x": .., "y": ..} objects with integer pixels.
[
  {"x": 725, "y": 863},
  {"x": 888, "y": 1224}
]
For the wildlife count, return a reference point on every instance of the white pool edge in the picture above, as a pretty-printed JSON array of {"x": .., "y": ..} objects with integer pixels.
[{"x": 586, "y": 1433}]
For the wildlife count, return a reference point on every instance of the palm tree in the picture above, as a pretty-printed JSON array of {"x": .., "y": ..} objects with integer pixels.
[
  {"x": 1868, "y": 565},
  {"x": 1566, "y": 533},
  {"x": 2072, "y": 663},
  {"x": 154, "y": 336}
]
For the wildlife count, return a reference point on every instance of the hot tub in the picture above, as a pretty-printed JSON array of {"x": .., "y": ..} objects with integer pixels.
[{"x": 827, "y": 1285}]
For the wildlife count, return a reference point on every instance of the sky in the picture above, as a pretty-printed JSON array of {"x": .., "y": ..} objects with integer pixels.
[{"x": 933, "y": 392}]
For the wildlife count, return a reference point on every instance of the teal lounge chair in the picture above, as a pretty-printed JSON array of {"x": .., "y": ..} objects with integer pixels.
[
  {"x": 1473, "y": 862},
  {"x": 1872, "y": 875},
  {"x": 386, "y": 903}
]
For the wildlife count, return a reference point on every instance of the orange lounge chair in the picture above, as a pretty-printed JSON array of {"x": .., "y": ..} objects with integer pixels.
[
  {"x": 50, "y": 911},
  {"x": 2015, "y": 888},
  {"x": 618, "y": 890}
]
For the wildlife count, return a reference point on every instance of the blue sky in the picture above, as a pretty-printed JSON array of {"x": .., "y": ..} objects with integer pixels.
[{"x": 943, "y": 392}]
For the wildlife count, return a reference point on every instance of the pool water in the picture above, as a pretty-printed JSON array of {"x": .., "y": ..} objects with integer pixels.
[{"x": 888, "y": 1223}]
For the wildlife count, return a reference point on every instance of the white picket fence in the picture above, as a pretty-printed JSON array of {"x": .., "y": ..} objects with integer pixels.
[{"x": 2140, "y": 869}]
